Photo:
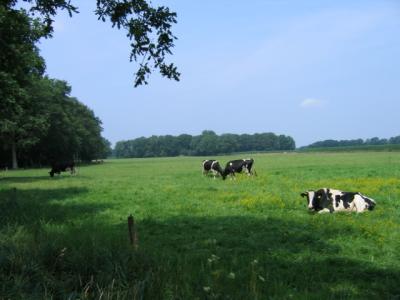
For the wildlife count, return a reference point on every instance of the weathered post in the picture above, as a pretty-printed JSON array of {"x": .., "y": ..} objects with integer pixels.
[{"x": 132, "y": 232}]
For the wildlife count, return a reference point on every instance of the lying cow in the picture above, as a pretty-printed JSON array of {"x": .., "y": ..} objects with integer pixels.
[
  {"x": 213, "y": 166},
  {"x": 237, "y": 166},
  {"x": 57, "y": 168},
  {"x": 330, "y": 200}
]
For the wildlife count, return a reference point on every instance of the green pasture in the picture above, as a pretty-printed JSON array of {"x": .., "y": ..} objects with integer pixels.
[{"x": 198, "y": 238}]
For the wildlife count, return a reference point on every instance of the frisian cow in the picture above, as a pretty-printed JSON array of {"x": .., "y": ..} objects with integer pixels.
[
  {"x": 237, "y": 166},
  {"x": 213, "y": 166},
  {"x": 58, "y": 167},
  {"x": 331, "y": 200}
]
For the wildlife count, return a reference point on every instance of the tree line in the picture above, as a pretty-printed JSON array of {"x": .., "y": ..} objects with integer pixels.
[
  {"x": 355, "y": 142},
  {"x": 208, "y": 143},
  {"x": 39, "y": 121}
]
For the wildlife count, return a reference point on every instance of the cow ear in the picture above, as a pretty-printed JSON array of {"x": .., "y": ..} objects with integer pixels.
[{"x": 304, "y": 194}]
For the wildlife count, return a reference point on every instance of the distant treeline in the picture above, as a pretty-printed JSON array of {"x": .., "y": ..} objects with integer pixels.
[
  {"x": 374, "y": 148},
  {"x": 357, "y": 142},
  {"x": 208, "y": 143}
]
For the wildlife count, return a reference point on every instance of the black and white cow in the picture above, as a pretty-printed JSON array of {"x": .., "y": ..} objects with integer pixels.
[
  {"x": 237, "y": 166},
  {"x": 213, "y": 166},
  {"x": 57, "y": 168},
  {"x": 331, "y": 200}
]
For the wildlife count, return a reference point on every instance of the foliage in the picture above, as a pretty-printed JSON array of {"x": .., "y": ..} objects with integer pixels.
[
  {"x": 20, "y": 66},
  {"x": 39, "y": 122},
  {"x": 357, "y": 142},
  {"x": 70, "y": 129},
  {"x": 374, "y": 148},
  {"x": 199, "y": 238},
  {"x": 148, "y": 29},
  {"x": 208, "y": 143}
]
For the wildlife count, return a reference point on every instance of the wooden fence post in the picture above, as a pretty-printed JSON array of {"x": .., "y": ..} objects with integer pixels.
[{"x": 132, "y": 232}]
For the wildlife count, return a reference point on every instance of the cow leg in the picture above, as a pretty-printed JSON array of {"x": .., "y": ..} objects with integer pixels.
[{"x": 324, "y": 211}]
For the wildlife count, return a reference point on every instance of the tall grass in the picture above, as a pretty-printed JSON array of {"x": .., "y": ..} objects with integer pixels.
[{"x": 200, "y": 238}]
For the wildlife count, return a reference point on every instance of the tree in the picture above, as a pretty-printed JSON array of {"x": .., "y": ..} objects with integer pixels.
[
  {"x": 20, "y": 66},
  {"x": 228, "y": 143},
  {"x": 22, "y": 122},
  {"x": 74, "y": 131},
  {"x": 394, "y": 140},
  {"x": 148, "y": 29},
  {"x": 69, "y": 129},
  {"x": 105, "y": 149},
  {"x": 208, "y": 143}
]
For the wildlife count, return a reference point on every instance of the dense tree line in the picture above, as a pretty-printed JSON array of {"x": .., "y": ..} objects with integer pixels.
[
  {"x": 39, "y": 121},
  {"x": 53, "y": 127},
  {"x": 208, "y": 143},
  {"x": 356, "y": 142}
]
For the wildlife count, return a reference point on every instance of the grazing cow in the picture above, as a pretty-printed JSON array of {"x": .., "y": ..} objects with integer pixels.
[
  {"x": 57, "y": 168},
  {"x": 330, "y": 200},
  {"x": 211, "y": 165},
  {"x": 237, "y": 166}
]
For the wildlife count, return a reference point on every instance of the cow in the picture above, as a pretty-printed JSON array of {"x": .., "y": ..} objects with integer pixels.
[
  {"x": 237, "y": 166},
  {"x": 57, "y": 168},
  {"x": 331, "y": 200},
  {"x": 213, "y": 166}
]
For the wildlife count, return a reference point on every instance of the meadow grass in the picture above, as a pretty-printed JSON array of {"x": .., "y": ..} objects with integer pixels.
[{"x": 199, "y": 238}]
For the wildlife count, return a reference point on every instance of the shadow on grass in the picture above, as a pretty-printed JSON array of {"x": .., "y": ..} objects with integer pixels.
[
  {"x": 27, "y": 179},
  {"x": 229, "y": 257},
  {"x": 29, "y": 206},
  {"x": 250, "y": 258}
]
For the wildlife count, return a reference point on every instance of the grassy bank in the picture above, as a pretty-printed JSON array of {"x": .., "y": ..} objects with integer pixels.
[{"x": 200, "y": 238}]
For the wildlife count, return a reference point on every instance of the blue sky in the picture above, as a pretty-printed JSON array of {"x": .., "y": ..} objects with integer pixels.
[{"x": 309, "y": 69}]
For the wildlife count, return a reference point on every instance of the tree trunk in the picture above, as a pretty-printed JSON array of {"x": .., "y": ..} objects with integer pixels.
[{"x": 14, "y": 155}]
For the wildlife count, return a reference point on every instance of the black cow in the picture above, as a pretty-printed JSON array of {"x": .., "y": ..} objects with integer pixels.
[
  {"x": 57, "y": 168},
  {"x": 331, "y": 200},
  {"x": 212, "y": 165},
  {"x": 237, "y": 166}
]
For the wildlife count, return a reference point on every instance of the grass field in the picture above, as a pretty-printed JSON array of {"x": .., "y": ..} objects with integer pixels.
[{"x": 200, "y": 238}]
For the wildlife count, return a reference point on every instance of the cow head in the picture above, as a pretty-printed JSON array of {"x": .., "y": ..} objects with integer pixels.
[
  {"x": 224, "y": 174},
  {"x": 316, "y": 200},
  {"x": 51, "y": 173}
]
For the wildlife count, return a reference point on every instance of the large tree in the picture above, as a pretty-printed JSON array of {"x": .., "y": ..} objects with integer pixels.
[
  {"x": 71, "y": 129},
  {"x": 22, "y": 122},
  {"x": 148, "y": 29},
  {"x": 20, "y": 67}
]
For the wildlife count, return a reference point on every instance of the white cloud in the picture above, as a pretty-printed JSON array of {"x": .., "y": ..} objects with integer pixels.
[{"x": 312, "y": 102}]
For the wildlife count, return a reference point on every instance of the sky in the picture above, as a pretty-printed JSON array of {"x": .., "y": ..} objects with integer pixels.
[{"x": 313, "y": 70}]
